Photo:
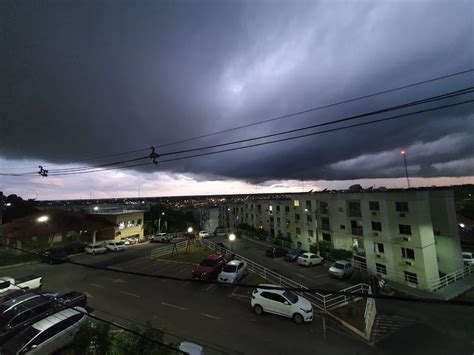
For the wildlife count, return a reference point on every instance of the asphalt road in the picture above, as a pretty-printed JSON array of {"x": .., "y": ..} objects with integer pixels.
[{"x": 202, "y": 313}]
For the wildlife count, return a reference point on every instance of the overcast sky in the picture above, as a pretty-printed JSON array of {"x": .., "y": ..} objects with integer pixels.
[{"x": 90, "y": 78}]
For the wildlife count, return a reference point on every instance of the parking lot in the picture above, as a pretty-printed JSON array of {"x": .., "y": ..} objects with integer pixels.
[{"x": 207, "y": 314}]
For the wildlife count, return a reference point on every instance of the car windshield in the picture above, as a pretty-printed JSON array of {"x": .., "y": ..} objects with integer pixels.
[
  {"x": 304, "y": 256},
  {"x": 291, "y": 296},
  {"x": 120, "y": 243},
  {"x": 208, "y": 262},
  {"x": 230, "y": 268},
  {"x": 20, "y": 340},
  {"x": 338, "y": 266}
]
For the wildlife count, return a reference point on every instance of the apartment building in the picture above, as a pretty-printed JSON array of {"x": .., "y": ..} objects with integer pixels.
[
  {"x": 207, "y": 217},
  {"x": 128, "y": 223},
  {"x": 408, "y": 236}
]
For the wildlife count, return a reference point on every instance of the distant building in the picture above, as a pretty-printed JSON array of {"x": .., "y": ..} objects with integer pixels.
[
  {"x": 409, "y": 236},
  {"x": 128, "y": 223},
  {"x": 207, "y": 218}
]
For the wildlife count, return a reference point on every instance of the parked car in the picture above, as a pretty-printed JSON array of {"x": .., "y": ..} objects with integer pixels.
[
  {"x": 293, "y": 254},
  {"x": 276, "y": 252},
  {"x": 31, "y": 282},
  {"x": 467, "y": 258},
  {"x": 161, "y": 238},
  {"x": 131, "y": 240},
  {"x": 210, "y": 267},
  {"x": 191, "y": 348},
  {"x": 116, "y": 246},
  {"x": 54, "y": 256},
  {"x": 22, "y": 311},
  {"x": 341, "y": 269},
  {"x": 11, "y": 294},
  {"x": 310, "y": 259},
  {"x": 47, "y": 335},
  {"x": 233, "y": 272},
  {"x": 203, "y": 234},
  {"x": 95, "y": 249},
  {"x": 281, "y": 302}
]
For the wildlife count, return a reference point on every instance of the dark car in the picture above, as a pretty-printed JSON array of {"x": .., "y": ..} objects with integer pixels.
[
  {"x": 293, "y": 254},
  {"x": 54, "y": 256},
  {"x": 276, "y": 252},
  {"x": 29, "y": 311},
  {"x": 210, "y": 267}
]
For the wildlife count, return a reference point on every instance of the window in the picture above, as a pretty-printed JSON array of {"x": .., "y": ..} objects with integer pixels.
[
  {"x": 356, "y": 227},
  {"x": 324, "y": 207},
  {"x": 327, "y": 237},
  {"x": 297, "y": 217},
  {"x": 278, "y": 298},
  {"x": 308, "y": 205},
  {"x": 139, "y": 221},
  {"x": 404, "y": 229},
  {"x": 354, "y": 209},
  {"x": 374, "y": 205},
  {"x": 298, "y": 231},
  {"x": 411, "y": 277},
  {"x": 309, "y": 218},
  {"x": 381, "y": 269},
  {"x": 270, "y": 208},
  {"x": 310, "y": 233},
  {"x": 325, "y": 223},
  {"x": 342, "y": 226},
  {"x": 278, "y": 208},
  {"x": 401, "y": 206},
  {"x": 340, "y": 209},
  {"x": 288, "y": 235},
  {"x": 267, "y": 295},
  {"x": 376, "y": 226},
  {"x": 278, "y": 220},
  {"x": 296, "y": 203},
  {"x": 408, "y": 253},
  {"x": 287, "y": 208},
  {"x": 379, "y": 248}
]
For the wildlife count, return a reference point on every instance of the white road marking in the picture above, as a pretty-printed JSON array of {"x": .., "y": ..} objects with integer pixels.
[
  {"x": 130, "y": 294},
  {"x": 88, "y": 295},
  {"x": 322, "y": 275},
  {"x": 167, "y": 267},
  {"x": 182, "y": 270},
  {"x": 208, "y": 288},
  {"x": 210, "y": 316},
  {"x": 118, "y": 281},
  {"x": 174, "y": 306},
  {"x": 97, "y": 285},
  {"x": 185, "y": 283},
  {"x": 133, "y": 263},
  {"x": 299, "y": 275}
]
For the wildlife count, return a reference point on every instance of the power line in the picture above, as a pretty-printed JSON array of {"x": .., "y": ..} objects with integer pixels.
[
  {"x": 284, "y": 139},
  {"x": 298, "y": 113},
  {"x": 294, "y": 289},
  {"x": 90, "y": 315}
]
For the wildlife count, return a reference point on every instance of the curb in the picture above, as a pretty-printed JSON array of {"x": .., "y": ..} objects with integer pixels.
[{"x": 20, "y": 264}]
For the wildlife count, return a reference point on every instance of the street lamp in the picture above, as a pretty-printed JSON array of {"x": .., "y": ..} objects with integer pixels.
[
  {"x": 159, "y": 222},
  {"x": 231, "y": 240},
  {"x": 190, "y": 229},
  {"x": 96, "y": 208},
  {"x": 462, "y": 225},
  {"x": 43, "y": 219},
  {"x": 404, "y": 154}
]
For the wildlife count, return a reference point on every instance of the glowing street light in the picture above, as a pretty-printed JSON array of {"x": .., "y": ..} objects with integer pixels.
[
  {"x": 190, "y": 229},
  {"x": 403, "y": 152},
  {"x": 231, "y": 240},
  {"x": 462, "y": 225},
  {"x": 43, "y": 219},
  {"x": 96, "y": 208}
]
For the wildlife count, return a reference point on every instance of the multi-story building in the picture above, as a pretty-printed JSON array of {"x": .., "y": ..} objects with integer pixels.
[
  {"x": 207, "y": 217},
  {"x": 408, "y": 236},
  {"x": 128, "y": 224}
]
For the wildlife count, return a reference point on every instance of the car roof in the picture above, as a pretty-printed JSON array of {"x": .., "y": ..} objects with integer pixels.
[
  {"x": 308, "y": 253},
  {"x": 55, "y": 318},
  {"x": 214, "y": 256},
  {"x": 342, "y": 262},
  {"x": 94, "y": 244},
  {"x": 277, "y": 288},
  {"x": 234, "y": 262},
  {"x": 22, "y": 298}
]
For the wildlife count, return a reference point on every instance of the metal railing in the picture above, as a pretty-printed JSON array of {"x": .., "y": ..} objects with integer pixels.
[
  {"x": 369, "y": 316},
  {"x": 451, "y": 278},
  {"x": 168, "y": 249}
]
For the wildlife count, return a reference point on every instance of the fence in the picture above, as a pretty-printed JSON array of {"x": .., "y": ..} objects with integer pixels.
[
  {"x": 168, "y": 249},
  {"x": 451, "y": 277}
]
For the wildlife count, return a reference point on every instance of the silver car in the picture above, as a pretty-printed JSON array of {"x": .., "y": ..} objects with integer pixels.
[
  {"x": 233, "y": 272},
  {"x": 95, "y": 249},
  {"x": 47, "y": 335},
  {"x": 341, "y": 269}
]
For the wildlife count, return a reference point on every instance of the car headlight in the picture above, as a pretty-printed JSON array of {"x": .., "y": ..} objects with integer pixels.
[{"x": 306, "y": 310}]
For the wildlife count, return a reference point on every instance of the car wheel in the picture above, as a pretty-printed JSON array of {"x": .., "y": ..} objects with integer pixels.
[
  {"x": 258, "y": 310},
  {"x": 298, "y": 318},
  {"x": 310, "y": 264}
]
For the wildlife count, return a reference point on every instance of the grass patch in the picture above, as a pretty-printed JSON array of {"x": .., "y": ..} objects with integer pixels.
[
  {"x": 250, "y": 279},
  {"x": 352, "y": 313},
  {"x": 194, "y": 255}
]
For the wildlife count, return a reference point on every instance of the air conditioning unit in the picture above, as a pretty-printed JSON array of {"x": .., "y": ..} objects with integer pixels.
[
  {"x": 380, "y": 256},
  {"x": 374, "y": 213},
  {"x": 401, "y": 215},
  {"x": 406, "y": 239},
  {"x": 376, "y": 234},
  {"x": 409, "y": 262}
]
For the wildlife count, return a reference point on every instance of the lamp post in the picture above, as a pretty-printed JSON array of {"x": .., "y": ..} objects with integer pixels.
[
  {"x": 231, "y": 240},
  {"x": 159, "y": 222},
  {"x": 404, "y": 154},
  {"x": 43, "y": 219}
]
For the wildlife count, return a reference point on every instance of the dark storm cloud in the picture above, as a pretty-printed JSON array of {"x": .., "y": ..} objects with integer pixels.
[{"x": 82, "y": 79}]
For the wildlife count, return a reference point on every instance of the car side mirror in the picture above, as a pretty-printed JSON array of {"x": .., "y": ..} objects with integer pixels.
[{"x": 287, "y": 303}]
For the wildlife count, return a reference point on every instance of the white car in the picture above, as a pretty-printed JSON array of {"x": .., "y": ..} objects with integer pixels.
[
  {"x": 281, "y": 302},
  {"x": 467, "y": 258},
  {"x": 310, "y": 259},
  {"x": 161, "y": 237},
  {"x": 191, "y": 348},
  {"x": 341, "y": 269},
  {"x": 116, "y": 246},
  {"x": 203, "y": 234},
  {"x": 233, "y": 272},
  {"x": 48, "y": 335},
  {"x": 95, "y": 249},
  {"x": 131, "y": 240}
]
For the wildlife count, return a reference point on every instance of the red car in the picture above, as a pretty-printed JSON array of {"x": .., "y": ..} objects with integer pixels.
[{"x": 210, "y": 267}]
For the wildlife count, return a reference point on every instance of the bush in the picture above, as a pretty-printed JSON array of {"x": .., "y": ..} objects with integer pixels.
[{"x": 336, "y": 253}]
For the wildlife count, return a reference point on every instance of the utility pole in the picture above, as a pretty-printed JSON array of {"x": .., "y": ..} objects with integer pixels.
[{"x": 404, "y": 154}]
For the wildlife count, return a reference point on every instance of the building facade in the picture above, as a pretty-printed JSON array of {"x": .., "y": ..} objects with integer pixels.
[
  {"x": 207, "y": 218},
  {"x": 128, "y": 224},
  {"x": 408, "y": 236}
]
